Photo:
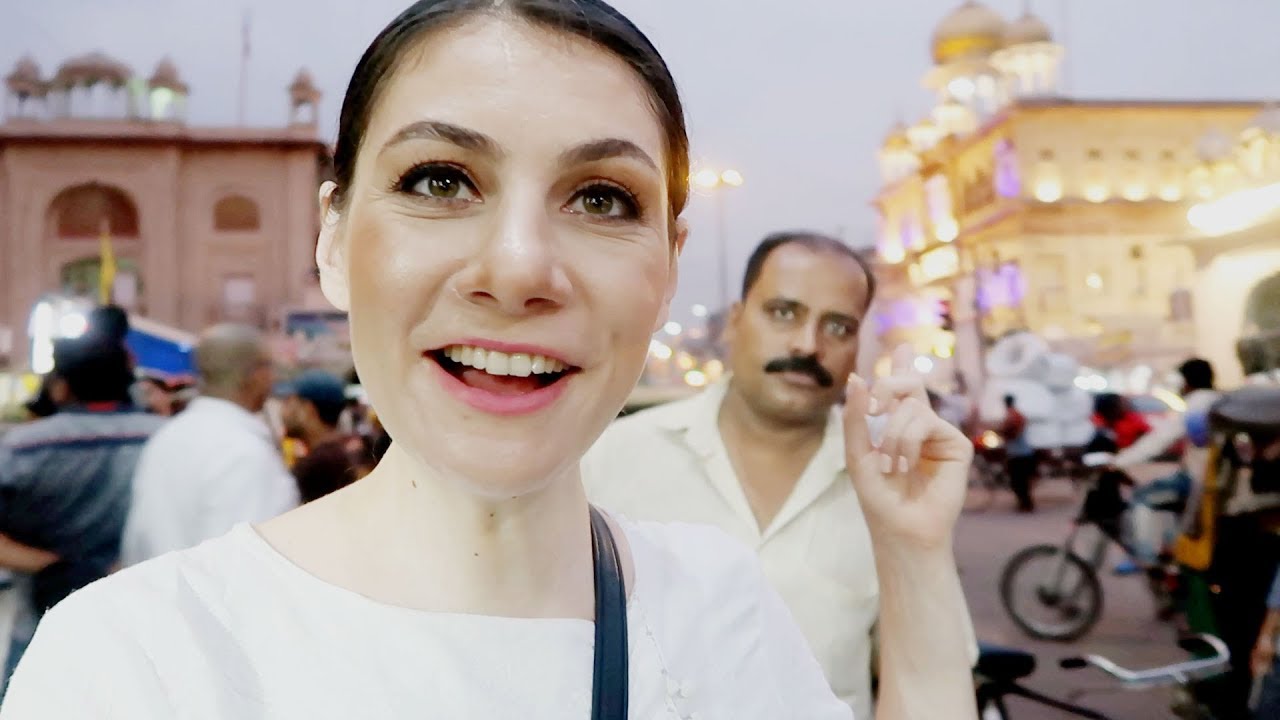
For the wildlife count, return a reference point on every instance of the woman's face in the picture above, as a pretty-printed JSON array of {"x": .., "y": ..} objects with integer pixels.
[{"x": 503, "y": 250}]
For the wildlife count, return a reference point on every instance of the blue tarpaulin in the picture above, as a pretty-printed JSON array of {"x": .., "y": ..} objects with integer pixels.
[{"x": 160, "y": 350}]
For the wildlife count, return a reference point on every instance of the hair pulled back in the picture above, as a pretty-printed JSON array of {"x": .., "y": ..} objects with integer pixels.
[{"x": 594, "y": 20}]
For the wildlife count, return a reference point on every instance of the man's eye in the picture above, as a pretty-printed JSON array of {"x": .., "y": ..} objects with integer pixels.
[
  {"x": 783, "y": 313},
  {"x": 604, "y": 201},
  {"x": 839, "y": 329}
]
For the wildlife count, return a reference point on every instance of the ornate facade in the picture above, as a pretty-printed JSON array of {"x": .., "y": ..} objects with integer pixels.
[
  {"x": 1011, "y": 207},
  {"x": 205, "y": 224}
]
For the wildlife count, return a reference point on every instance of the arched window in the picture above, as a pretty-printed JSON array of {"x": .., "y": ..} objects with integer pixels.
[
  {"x": 84, "y": 211},
  {"x": 236, "y": 213}
]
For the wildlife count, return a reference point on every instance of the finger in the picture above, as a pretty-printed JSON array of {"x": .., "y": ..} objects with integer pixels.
[
  {"x": 857, "y": 435},
  {"x": 890, "y": 391},
  {"x": 913, "y": 438},
  {"x": 891, "y": 445}
]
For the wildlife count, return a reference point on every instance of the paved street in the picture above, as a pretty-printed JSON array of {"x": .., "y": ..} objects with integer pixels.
[{"x": 1128, "y": 632}]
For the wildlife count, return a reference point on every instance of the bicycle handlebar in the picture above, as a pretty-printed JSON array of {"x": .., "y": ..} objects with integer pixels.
[{"x": 1179, "y": 673}]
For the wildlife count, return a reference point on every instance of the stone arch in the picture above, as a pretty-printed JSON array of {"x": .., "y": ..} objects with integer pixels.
[
  {"x": 84, "y": 211},
  {"x": 236, "y": 213}
]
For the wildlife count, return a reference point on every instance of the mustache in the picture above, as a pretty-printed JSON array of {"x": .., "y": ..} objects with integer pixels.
[{"x": 807, "y": 364}]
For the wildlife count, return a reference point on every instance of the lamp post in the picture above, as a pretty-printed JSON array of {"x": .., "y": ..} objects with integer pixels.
[{"x": 715, "y": 181}]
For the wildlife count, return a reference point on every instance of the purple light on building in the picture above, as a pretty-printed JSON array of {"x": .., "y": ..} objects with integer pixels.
[{"x": 1008, "y": 184}]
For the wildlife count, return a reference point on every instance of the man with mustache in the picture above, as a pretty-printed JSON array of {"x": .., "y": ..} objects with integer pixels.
[{"x": 761, "y": 453}]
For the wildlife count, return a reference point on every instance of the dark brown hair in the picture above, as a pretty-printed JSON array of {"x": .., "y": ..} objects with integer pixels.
[{"x": 593, "y": 20}]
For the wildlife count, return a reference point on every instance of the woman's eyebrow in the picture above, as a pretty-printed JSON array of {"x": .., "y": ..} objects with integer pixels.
[{"x": 446, "y": 132}]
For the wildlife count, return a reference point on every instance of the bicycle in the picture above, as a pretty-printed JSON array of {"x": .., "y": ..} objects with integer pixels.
[
  {"x": 1068, "y": 587},
  {"x": 1001, "y": 669}
]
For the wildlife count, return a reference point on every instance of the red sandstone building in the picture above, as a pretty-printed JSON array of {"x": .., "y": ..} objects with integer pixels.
[{"x": 206, "y": 224}]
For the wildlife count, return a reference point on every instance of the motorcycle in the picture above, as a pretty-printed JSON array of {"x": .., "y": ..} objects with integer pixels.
[{"x": 988, "y": 474}]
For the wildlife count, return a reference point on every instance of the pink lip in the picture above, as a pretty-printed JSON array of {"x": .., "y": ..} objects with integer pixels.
[
  {"x": 494, "y": 404},
  {"x": 511, "y": 348}
]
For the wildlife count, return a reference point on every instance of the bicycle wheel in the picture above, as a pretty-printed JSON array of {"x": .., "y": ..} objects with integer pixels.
[{"x": 1051, "y": 594}]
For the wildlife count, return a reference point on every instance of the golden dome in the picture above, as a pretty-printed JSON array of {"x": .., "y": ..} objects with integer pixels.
[
  {"x": 166, "y": 76},
  {"x": 93, "y": 68},
  {"x": 897, "y": 139},
  {"x": 1027, "y": 30},
  {"x": 972, "y": 30}
]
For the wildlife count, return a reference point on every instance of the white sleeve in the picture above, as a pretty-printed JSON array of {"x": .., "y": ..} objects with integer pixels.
[{"x": 79, "y": 666}]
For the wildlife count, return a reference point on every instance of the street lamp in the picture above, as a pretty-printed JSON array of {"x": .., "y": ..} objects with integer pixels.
[{"x": 715, "y": 181}]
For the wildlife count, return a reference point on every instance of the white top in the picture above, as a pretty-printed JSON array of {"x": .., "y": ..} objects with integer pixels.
[
  {"x": 211, "y": 467},
  {"x": 669, "y": 463},
  {"x": 232, "y": 629}
]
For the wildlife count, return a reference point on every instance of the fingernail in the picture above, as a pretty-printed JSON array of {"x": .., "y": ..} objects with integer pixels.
[
  {"x": 902, "y": 464},
  {"x": 886, "y": 463},
  {"x": 873, "y": 406}
]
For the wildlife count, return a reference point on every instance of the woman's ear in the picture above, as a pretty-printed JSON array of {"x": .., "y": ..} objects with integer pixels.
[
  {"x": 331, "y": 251},
  {"x": 673, "y": 275}
]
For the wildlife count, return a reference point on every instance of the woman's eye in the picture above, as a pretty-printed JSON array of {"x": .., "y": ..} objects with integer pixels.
[
  {"x": 440, "y": 182},
  {"x": 603, "y": 201}
]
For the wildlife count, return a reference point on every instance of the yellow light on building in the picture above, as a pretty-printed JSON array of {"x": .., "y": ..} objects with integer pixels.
[
  {"x": 1171, "y": 193},
  {"x": 695, "y": 378},
  {"x": 706, "y": 179},
  {"x": 1096, "y": 192},
  {"x": 731, "y": 177},
  {"x": 946, "y": 231},
  {"x": 943, "y": 351},
  {"x": 685, "y": 361},
  {"x": 713, "y": 369},
  {"x": 660, "y": 350},
  {"x": 1236, "y": 211},
  {"x": 893, "y": 253},
  {"x": 1094, "y": 281},
  {"x": 1135, "y": 192},
  {"x": 1048, "y": 191}
]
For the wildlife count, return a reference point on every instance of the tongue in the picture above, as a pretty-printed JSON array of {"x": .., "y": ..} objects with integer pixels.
[{"x": 499, "y": 384}]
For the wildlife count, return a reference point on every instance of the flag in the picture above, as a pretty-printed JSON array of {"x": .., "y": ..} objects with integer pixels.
[{"x": 106, "y": 264}]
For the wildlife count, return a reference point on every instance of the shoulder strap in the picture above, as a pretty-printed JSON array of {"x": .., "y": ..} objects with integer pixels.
[{"x": 609, "y": 682}]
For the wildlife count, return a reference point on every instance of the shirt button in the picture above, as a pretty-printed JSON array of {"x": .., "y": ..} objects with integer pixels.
[
  {"x": 673, "y": 687},
  {"x": 686, "y": 689}
]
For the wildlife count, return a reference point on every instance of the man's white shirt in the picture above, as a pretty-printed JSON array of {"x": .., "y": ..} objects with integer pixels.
[
  {"x": 670, "y": 464},
  {"x": 212, "y": 467}
]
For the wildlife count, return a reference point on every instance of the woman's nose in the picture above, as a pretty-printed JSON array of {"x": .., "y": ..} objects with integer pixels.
[{"x": 518, "y": 268}]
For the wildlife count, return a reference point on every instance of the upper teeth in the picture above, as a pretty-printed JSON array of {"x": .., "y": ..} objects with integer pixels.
[{"x": 500, "y": 363}]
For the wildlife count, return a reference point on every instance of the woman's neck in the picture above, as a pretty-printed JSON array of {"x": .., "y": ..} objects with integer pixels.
[{"x": 412, "y": 538}]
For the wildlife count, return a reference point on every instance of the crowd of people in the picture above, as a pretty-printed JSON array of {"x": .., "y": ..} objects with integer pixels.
[{"x": 116, "y": 467}]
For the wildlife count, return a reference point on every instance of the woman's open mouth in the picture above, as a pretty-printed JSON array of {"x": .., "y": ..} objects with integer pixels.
[{"x": 500, "y": 382}]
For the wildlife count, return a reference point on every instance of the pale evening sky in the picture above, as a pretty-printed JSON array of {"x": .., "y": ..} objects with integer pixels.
[{"x": 795, "y": 94}]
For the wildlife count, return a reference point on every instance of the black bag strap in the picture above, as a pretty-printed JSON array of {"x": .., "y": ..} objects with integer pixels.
[{"x": 609, "y": 682}]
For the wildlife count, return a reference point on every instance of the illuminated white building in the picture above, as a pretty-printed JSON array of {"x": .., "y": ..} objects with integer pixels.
[{"x": 1011, "y": 207}]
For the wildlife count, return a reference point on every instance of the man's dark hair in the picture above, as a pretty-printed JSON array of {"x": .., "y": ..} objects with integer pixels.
[
  {"x": 329, "y": 413},
  {"x": 813, "y": 241},
  {"x": 110, "y": 321},
  {"x": 1009, "y": 401},
  {"x": 1197, "y": 373},
  {"x": 95, "y": 368}
]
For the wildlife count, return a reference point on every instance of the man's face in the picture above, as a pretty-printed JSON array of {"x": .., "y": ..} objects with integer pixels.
[{"x": 794, "y": 339}]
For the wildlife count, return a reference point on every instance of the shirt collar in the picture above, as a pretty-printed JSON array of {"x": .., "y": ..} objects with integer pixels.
[
  {"x": 227, "y": 410},
  {"x": 696, "y": 420}
]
